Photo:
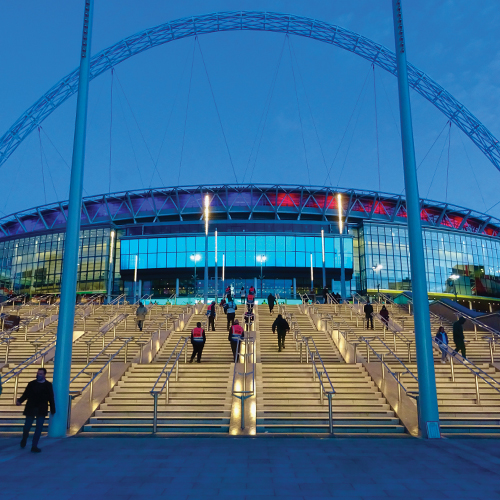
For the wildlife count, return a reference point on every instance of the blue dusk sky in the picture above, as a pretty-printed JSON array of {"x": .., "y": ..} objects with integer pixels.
[{"x": 330, "y": 118}]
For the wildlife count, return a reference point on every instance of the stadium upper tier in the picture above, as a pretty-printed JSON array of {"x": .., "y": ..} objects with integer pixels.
[{"x": 245, "y": 202}]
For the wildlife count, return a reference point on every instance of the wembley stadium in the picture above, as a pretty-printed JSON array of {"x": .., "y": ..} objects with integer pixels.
[{"x": 274, "y": 237}]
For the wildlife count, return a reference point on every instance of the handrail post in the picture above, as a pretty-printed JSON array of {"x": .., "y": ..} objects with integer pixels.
[
  {"x": 452, "y": 368},
  {"x": 478, "y": 398},
  {"x": 301, "y": 351},
  {"x": 367, "y": 352},
  {"x": 491, "y": 350},
  {"x": 155, "y": 412},
  {"x": 242, "y": 412},
  {"x": 330, "y": 413},
  {"x": 382, "y": 366},
  {"x": 320, "y": 378},
  {"x": 126, "y": 351},
  {"x": 399, "y": 385},
  {"x": 167, "y": 391},
  {"x": 16, "y": 385},
  {"x": 409, "y": 352}
]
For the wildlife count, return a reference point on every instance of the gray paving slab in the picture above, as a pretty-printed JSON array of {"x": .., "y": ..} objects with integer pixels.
[{"x": 291, "y": 468}]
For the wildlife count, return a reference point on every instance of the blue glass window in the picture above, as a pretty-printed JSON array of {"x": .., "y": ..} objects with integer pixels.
[
  {"x": 162, "y": 245},
  {"x": 125, "y": 247},
  {"x": 171, "y": 260},
  {"x": 134, "y": 247},
  {"x": 162, "y": 260},
  {"x": 171, "y": 244}
]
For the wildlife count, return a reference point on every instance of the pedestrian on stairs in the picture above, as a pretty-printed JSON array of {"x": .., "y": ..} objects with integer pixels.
[
  {"x": 223, "y": 305},
  {"x": 250, "y": 300},
  {"x": 368, "y": 309},
  {"x": 243, "y": 294},
  {"x": 325, "y": 295},
  {"x": 231, "y": 312},
  {"x": 140, "y": 315},
  {"x": 228, "y": 292},
  {"x": 39, "y": 395},
  {"x": 235, "y": 336},
  {"x": 211, "y": 316},
  {"x": 249, "y": 318},
  {"x": 271, "y": 299},
  {"x": 384, "y": 314},
  {"x": 281, "y": 326},
  {"x": 458, "y": 335},
  {"x": 442, "y": 340},
  {"x": 198, "y": 339}
]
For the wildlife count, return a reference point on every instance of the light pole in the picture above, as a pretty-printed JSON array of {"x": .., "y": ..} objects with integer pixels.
[
  {"x": 342, "y": 261},
  {"x": 195, "y": 257},
  {"x": 376, "y": 269},
  {"x": 429, "y": 413},
  {"x": 323, "y": 256},
  {"x": 216, "y": 270},
  {"x": 111, "y": 269},
  {"x": 261, "y": 259},
  {"x": 65, "y": 327},
  {"x": 135, "y": 278},
  {"x": 223, "y": 274},
  {"x": 205, "y": 276},
  {"x": 453, "y": 279},
  {"x": 312, "y": 274}
]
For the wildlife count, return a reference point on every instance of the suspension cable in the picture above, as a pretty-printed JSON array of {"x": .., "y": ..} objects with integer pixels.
[
  {"x": 265, "y": 113},
  {"x": 111, "y": 129},
  {"x": 348, "y": 123},
  {"x": 310, "y": 109},
  {"x": 300, "y": 114},
  {"x": 376, "y": 126},
  {"x": 217, "y": 110},
  {"x": 186, "y": 114},
  {"x": 437, "y": 164},
  {"x": 138, "y": 127}
]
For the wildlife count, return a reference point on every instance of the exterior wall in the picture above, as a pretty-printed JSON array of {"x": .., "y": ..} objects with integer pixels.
[
  {"x": 474, "y": 259},
  {"x": 34, "y": 264}
]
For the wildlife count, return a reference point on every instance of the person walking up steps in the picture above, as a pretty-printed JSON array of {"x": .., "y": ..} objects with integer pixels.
[
  {"x": 442, "y": 339},
  {"x": 271, "y": 299},
  {"x": 250, "y": 300},
  {"x": 368, "y": 309},
  {"x": 243, "y": 294},
  {"x": 235, "y": 334},
  {"x": 140, "y": 315},
  {"x": 249, "y": 318},
  {"x": 211, "y": 316},
  {"x": 281, "y": 326},
  {"x": 458, "y": 336},
  {"x": 231, "y": 312},
  {"x": 198, "y": 339},
  {"x": 39, "y": 395}
]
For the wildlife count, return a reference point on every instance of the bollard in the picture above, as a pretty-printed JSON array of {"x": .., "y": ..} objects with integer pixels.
[
  {"x": 330, "y": 413},
  {"x": 155, "y": 411}
]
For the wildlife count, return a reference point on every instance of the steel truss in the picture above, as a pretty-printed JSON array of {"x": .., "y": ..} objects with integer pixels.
[
  {"x": 253, "y": 21},
  {"x": 245, "y": 202}
]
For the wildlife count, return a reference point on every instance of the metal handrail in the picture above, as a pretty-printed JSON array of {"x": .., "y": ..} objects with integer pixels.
[
  {"x": 175, "y": 364},
  {"x": 116, "y": 300},
  {"x": 104, "y": 329},
  {"x": 244, "y": 394},
  {"x": 396, "y": 375},
  {"x": 478, "y": 372},
  {"x": 125, "y": 344},
  {"x": 39, "y": 354},
  {"x": 142, "y": 299}
]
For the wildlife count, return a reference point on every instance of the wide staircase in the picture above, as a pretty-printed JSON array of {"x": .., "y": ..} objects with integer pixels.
[
  {"x": 199, "y": 399},
  {"x": 288, "y": 400},
  {"x": 461, "y": 411}
]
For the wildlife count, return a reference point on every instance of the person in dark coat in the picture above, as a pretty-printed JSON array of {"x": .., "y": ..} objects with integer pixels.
[
  {"x": 442, "y": 340},
  {"x": 39, "y": 395},
  {"x": 368, "y": 309},
  {"x": 211, "y": 317},
  {"x": 325, "y": 295},
  {"x": 384, "y": 313},
  {"x": 458, "y": 336},
  {"x": 281, "y": 326},
  {"x": 271, "y": 299}
]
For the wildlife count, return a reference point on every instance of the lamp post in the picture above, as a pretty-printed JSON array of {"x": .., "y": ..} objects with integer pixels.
[
  {"x": 135, "y": 278},
  {"x": 429, "y": 413},
  {"x": 205, "y": 276},
  {"x": 312, "y": 274},
  {"x": 111, "y": 264},
  {"x": 223, "y": 273},
  {"x": 195, "y": 257},
  {"x": 453, "y": 279},
  {"x": 216, "y": 270},
  {"x": 323, "y": 256},
  {"x": 261, "y": 259},
  {"x": 65, "y": 327},
  {"x": 376, "y": 269},
  {"x": 342, "y": 261}
]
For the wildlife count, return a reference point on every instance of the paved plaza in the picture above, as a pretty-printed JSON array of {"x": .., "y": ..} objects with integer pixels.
[{"x": 246, "y": 468}]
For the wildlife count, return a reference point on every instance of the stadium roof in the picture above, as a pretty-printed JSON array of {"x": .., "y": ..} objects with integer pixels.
[{"x": 245, "y": 202}]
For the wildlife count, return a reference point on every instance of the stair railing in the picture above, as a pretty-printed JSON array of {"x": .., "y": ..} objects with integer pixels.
[
  {"x": 397, "y": 375},
  {"x": 248, "y": 357},
  {"x": 319, "y": 371},
  {"x": 472, "y": 367},
  {"x": 17, "y": 370},
  {"x": 155, "y": 392}
]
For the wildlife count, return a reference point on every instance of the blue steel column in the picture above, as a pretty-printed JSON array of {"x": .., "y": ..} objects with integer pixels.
[
  {"x": 429, "y": 414},
  {"x": 205, "y": 276},
  {"x": 64, "y": 346}
]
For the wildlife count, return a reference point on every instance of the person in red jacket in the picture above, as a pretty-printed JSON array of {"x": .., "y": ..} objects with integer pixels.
[
  {"x": 235, "y": 336},
  {"x": 198, "y": 339}
]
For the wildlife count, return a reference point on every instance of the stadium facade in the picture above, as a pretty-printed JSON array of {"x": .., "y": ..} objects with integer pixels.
[{"x": 269, "y": 230}]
